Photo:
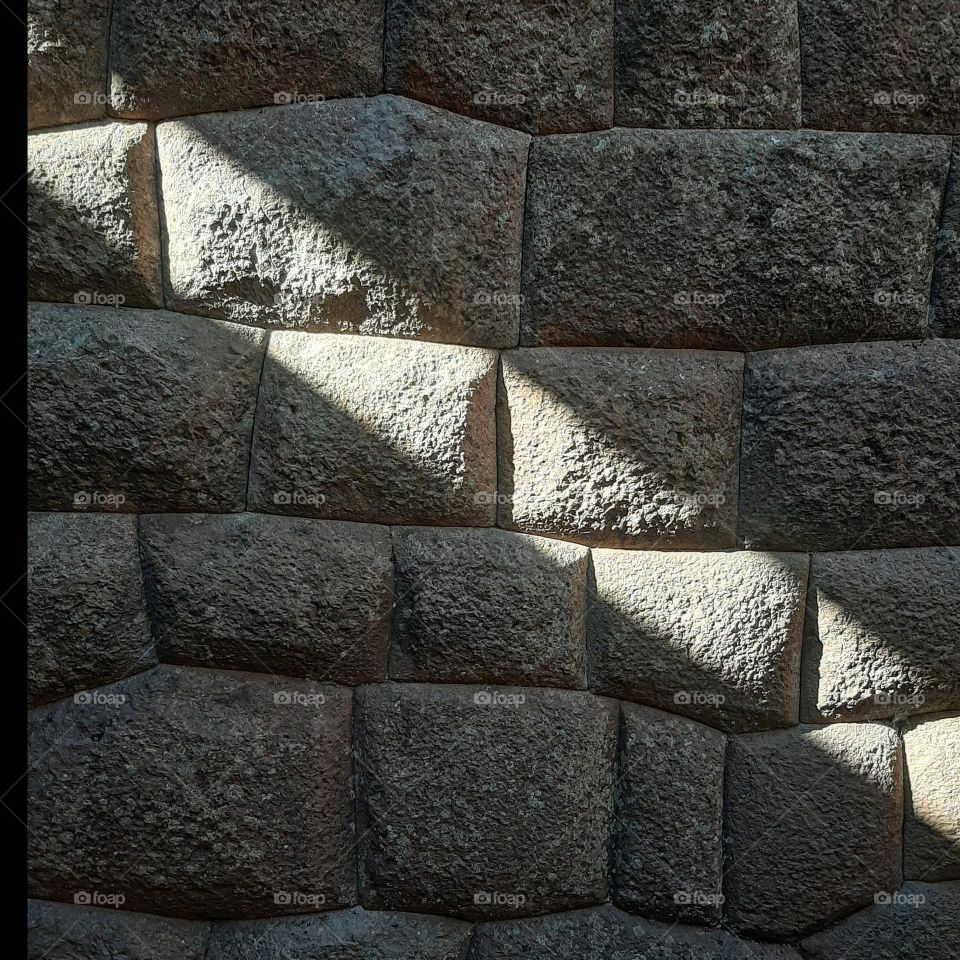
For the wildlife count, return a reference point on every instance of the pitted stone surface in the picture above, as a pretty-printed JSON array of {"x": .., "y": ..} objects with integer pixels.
[
  {"x": 273, "y": 594},
  {"x": 486, "y": 606},
  {"x": 715, "y": 637},
  {"x": 87, "y": 620},
  {"x": 669, "y": 817},
  {"x": 378, "y": 216},
  {"x": 541, "y": 67},
  {"x": 812, "y": 825},
  {"x": 737, "y": 240},
  {"x": 697, "y": 64},
  {"x": 620, "y": 447},
  {"x": 851, "y": 446},
  {"x": 483, "y": 802},
  {"x": 945, "y": 309},
  {"x": 200, "y": 793},
  {"x": 384, "y": 431},
  {"x": 139, "y": 410},
  {"x": 179, "y": 57},
  {"x": 92, "y": 210},
  {"x": 881, "y": 634}
]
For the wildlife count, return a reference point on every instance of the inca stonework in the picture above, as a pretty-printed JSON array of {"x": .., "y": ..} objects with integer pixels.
[{"x": 494, "y": 480}]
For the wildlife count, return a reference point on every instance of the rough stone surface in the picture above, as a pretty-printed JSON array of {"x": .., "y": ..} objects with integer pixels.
[
  {"x": 812, "y": 825},
  {"x": 139, "y": 409},
  {"x": 542, "y": 67},
  {"x": 715, "y": 637},
  {"x": 851, "y": 447},
  {"x": 483, "y": 802},
  {"x": 199, "y": 793},
  {"x": 87, "y": 620},
  {"x": 179, "y": 57},
  {"x": 890, "y": 65},
  {"x": 272, "y": 594},
  {"x": 945, "y": 309},
  {"x": 378, "y": 216},
  {"x": 697, "y": 64},
  {"x": 931, "y": 843},
  {"x": 384, "y": 431},
  {"x": 669, "y": 817},
  {"x": 881, "y": 634},
  {"x": 741, "y": 240},
  {"x": 486, "y": 606},
  {"x": 620, "y": 447},
  {"x": 92, "y": 211}
]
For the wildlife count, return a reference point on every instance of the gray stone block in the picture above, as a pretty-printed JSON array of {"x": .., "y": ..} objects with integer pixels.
[{"x": 945, "y": 308}]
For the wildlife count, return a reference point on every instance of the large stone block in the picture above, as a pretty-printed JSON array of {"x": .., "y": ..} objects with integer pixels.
[
  {"x": 385, "y": 431},
  {"x": 179, "y": 57},
  {"x": 715, "y": 637},
  {"x": 541, "y": 67},
  {"x": 139, "y": 409},
  {"x": 486, "y": 606},
  {"x": 697, "y": 64},
  {"x": 812, "y": 825},
  {"x": 484, "y": 802},
  {"x": 272, "y": 594},
  {"x": 87, "y": 619},
  {"x": 945, "y": 308},
  {"x": 620, "y": 447},
  {"x": 378, "y": 216},
  {"x": 197, "y": 793},
  {"x": 881, "y": 634},
  {"x": 736, "y": 240},
  {"x": 92, "y": 209},
  {"x": 851, "y": 446}
]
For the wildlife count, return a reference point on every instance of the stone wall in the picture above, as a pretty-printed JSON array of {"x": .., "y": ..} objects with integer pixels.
[{"x": 495, "y": 474}]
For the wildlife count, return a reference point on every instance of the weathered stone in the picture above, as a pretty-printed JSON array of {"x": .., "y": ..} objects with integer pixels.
[
  {"x": 620, "y": 447},
  {"x": 274, "y": 594},
  {"x": 541, "y": 67},
  {"x": 851, "y": 446},
  {"x": 87, "y": 620},
  {"x": 669, "y": 817},
  {"x": 931, "y": 824},
  {"x": 485, "y": 606},
  {"x": 730, "y": 239},
  {"x": 179, "y": 57},
  {"x": 377, "y": 216},
  {"x": 483, "y": 802},
  {"x": 92, "y": 209},
  {"x": 197, "y": 793},
  {"x": 66, "y": 61},
  {"x": 812, "y": 825},
  {"x": 57, "y": 931},
  {"x": 881, "y": 634},
  {"x": 890, "y": 65},
  {"x": 945, "y": 308},
  {"x": 697, "y": 64},
  {"x": 384, "y": 431},
  {"x": 139, "y": 409},
  {"x": 715, "y": 637}
]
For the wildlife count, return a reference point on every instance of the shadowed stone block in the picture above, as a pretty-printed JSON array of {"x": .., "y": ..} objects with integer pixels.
[
  {"x": 274, "y": 594},
  {"x": 812, "y": 825},
  {"x": 945, "y": 309},
  {"x": 620, "y": 447},
  {"x": 541, "y": 67},
  {"x": 486, "y": 606},
  {"x": 92, "y": 210},
  {"x": 737, "y": 240},
  {"x": 139, "y": 410},
  {"x": 383, "y": 431},
  {"x": 851, "y": 446},
  {"x": 378, "y": 216},
  {"x": 483, "y": 802},
  {"x": 87, "y": 620},
  {"x": 199, "y": 793},
  {"x": 713, "y": 636}
]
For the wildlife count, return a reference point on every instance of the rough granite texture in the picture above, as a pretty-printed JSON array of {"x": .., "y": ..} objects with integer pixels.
[
  {"x": 945, "y": 309},
  {"x": 284, "y": 595},
  {"x": 378, "y": 216}
]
